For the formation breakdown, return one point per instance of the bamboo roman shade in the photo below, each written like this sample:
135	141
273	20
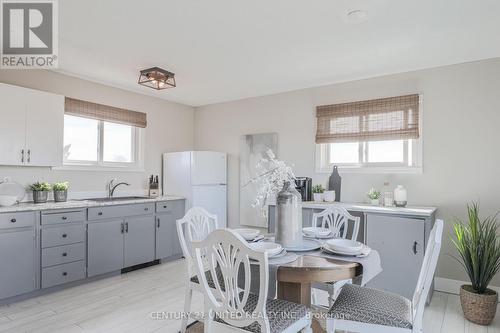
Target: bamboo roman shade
393	118
76	107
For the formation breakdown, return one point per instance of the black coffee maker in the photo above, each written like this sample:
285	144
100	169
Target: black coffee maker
304	186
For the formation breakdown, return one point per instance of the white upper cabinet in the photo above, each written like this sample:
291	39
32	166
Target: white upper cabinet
31	127
12	125
44	128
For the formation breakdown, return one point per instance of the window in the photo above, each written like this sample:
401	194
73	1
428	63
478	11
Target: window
370	136
102	137
90	142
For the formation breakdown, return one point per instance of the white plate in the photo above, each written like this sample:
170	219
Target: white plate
344	245
307	245
269	247
11	188
247	234
316	232
365	251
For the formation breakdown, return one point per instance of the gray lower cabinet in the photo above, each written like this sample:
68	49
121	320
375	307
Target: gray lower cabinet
105	247
167	239
400	242
17	259
139	241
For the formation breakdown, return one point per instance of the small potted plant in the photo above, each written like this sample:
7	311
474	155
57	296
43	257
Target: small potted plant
60	191
318	192
374	196
479	254
40	191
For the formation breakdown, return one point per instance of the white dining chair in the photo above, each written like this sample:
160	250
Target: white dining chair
234	308
196	225
338	220
360	309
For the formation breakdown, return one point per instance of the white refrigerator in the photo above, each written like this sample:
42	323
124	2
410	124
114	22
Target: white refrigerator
200	177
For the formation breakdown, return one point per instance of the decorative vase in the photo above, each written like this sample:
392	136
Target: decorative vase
329	196
60	196
318	197
478	308
335	183
40	196
375	202
288	229
400	196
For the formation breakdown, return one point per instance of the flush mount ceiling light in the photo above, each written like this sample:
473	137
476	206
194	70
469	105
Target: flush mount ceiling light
157	78
357	15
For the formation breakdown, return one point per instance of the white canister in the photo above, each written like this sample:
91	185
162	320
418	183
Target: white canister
318	197
400	196
329	196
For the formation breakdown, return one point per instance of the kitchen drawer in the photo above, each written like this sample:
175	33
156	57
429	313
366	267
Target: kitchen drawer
168	206
63	235
63	254
63	217
56	275
109	212
17	220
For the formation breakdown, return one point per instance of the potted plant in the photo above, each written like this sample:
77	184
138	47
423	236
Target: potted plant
479	249
318	192
60	191
374	196
40	191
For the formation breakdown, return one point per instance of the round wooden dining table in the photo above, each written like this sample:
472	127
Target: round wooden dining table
295	278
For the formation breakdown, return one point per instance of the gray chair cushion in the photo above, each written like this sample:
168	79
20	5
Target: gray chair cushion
210	280
372	306
281	314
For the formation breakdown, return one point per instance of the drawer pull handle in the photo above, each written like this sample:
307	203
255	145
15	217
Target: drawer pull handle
64	235
13	220
146	208
65	273
164	206
64	254
100	213
64	218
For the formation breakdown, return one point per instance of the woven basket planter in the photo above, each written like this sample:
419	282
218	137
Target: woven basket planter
478	308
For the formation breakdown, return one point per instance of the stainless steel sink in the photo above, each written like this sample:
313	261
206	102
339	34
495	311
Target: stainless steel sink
117	199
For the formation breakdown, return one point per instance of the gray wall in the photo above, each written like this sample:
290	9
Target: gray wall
461	111
170	128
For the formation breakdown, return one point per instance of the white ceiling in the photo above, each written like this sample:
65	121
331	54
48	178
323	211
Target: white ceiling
223	50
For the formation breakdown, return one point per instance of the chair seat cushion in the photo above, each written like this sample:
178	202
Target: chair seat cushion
372	306
281	314
210	280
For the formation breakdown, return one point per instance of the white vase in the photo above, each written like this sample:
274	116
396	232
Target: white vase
318	197
400	196
375	202
288	228
329	196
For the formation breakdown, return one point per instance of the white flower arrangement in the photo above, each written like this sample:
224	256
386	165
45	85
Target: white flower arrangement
273	174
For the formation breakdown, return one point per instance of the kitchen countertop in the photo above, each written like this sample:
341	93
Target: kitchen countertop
72	204
408	210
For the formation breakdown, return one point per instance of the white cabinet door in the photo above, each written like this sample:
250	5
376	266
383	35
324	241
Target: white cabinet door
44	128
208	168
400	243
12	124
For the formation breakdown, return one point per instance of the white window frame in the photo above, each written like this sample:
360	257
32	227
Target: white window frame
138	147
322	164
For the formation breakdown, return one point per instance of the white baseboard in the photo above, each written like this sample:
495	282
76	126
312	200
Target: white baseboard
451	286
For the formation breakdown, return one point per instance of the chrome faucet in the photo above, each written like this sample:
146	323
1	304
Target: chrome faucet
112	187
